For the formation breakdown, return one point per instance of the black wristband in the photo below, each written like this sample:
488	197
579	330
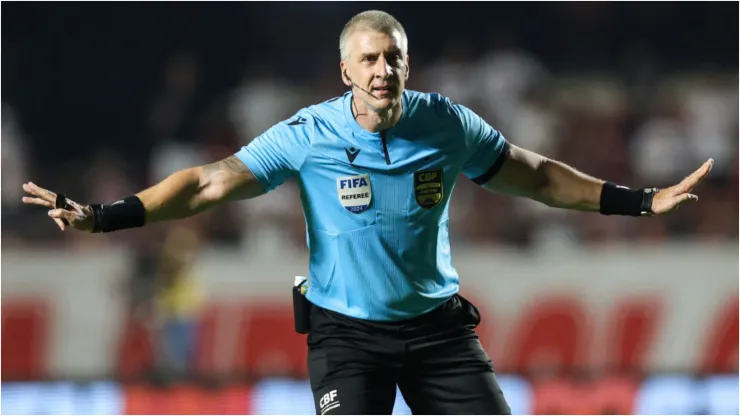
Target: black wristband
127	213
61	203
619	200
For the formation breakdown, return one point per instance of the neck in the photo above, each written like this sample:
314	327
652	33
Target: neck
374	120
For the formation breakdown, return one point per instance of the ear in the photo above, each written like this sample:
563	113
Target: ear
407	67
343	71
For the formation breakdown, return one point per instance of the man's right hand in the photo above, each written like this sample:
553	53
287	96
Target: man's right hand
78	217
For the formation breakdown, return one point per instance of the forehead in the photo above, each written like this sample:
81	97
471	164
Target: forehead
365	41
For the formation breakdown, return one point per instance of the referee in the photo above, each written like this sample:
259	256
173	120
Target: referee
376	168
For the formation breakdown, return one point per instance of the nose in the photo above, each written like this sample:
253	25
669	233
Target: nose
384	69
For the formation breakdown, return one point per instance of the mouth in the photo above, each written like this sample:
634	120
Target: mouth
384	91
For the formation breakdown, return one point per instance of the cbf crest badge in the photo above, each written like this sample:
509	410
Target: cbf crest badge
428	187
355	192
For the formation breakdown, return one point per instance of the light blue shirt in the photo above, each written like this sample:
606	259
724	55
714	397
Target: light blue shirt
377	204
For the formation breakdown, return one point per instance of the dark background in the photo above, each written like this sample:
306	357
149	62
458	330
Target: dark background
92	90
63	60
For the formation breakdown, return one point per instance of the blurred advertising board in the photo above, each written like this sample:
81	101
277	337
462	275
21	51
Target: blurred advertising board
652	309
659	394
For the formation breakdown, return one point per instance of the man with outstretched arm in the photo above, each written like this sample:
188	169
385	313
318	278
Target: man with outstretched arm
376	168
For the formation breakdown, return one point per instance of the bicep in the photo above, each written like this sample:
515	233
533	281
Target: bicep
519	175
278	153
229	179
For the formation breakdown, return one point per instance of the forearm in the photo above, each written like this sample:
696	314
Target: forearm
180	195
530	175
184	193
562	186
191	191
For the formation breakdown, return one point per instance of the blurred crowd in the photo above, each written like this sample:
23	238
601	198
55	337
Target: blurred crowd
636	123
629	130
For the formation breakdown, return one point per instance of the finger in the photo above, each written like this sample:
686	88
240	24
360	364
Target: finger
37	201
691	181
62	214
36	190
28	188
58	216
670	203
60	223
686	198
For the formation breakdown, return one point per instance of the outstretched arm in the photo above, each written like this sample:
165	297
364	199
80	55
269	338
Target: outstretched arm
182	194
502	167
255	169
191	191
525	173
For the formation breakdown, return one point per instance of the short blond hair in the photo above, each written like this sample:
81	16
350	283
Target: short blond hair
375	20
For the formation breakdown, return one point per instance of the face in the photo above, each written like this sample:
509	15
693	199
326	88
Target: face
378	65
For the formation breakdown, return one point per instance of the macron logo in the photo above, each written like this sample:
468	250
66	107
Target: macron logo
299	120
352	154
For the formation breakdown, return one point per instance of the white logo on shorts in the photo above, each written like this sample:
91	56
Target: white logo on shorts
329	401
355	192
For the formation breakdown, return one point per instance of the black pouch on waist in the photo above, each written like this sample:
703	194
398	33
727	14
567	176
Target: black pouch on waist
301	306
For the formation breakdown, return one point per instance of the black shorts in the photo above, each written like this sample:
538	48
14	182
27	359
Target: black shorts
435	360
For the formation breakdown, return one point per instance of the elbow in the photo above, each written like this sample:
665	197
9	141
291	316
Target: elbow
552	187
209	188
559	186
543	187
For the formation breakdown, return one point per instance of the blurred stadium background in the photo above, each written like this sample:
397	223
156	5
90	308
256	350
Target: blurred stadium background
582	313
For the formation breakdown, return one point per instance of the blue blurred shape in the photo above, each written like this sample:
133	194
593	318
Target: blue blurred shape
57	398
61	398
664	395
20	398
400	407
518	393
100	398
721	395
276	396
667	395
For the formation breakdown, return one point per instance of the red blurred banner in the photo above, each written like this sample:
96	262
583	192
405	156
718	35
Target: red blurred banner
553	315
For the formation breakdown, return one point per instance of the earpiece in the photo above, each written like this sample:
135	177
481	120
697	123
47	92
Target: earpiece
352	84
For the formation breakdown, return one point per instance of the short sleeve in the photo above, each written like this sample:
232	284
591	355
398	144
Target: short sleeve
486	147
280	151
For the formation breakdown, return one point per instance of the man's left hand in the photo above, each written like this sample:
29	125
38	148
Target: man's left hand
670	198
